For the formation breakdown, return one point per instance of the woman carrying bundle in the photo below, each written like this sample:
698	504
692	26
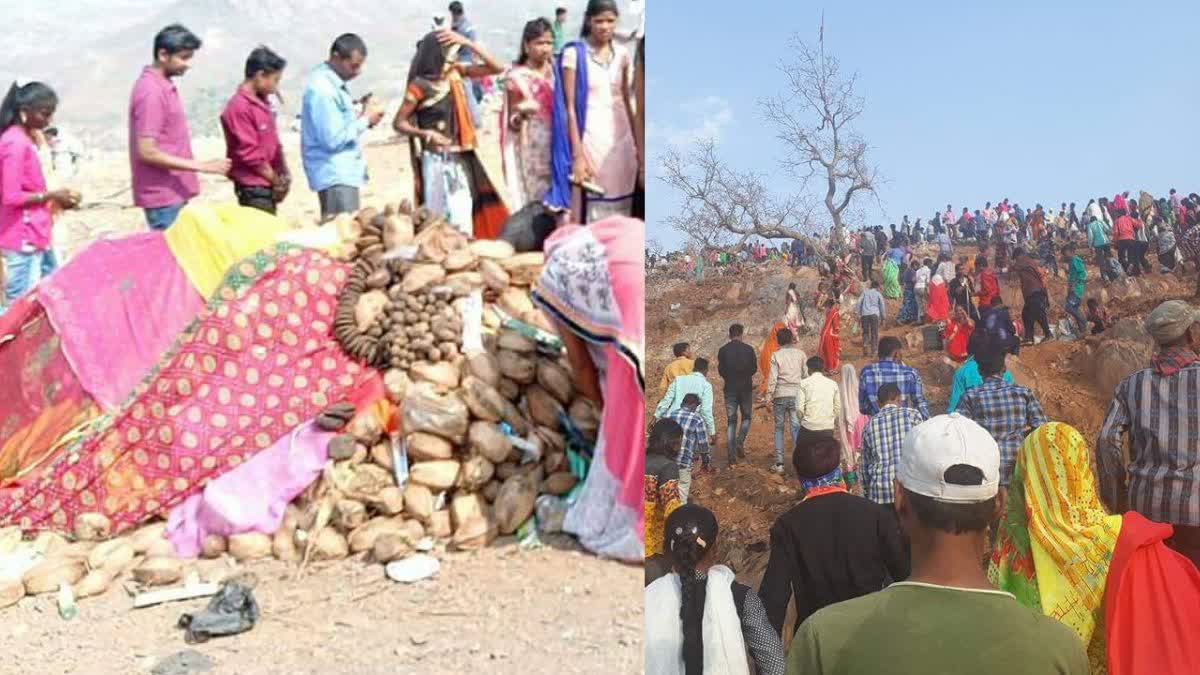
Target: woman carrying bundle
699	620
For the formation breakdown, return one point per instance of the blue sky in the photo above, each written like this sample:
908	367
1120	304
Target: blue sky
964	102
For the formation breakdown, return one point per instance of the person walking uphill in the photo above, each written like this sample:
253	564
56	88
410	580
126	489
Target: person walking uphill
737	365
890	368
788	368
1152	416
871	311
695	382
258	169
947	617
1033	289
26	207
330	129
160	144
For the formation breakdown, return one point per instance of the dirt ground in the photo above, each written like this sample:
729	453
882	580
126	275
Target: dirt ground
1072	379
499	610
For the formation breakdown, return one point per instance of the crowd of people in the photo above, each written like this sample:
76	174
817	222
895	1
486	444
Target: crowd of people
983	530
572	135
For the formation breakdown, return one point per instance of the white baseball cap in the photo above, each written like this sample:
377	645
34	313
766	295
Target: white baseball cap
941	442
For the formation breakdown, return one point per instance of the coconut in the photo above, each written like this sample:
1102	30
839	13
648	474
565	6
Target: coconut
551	439
330	545
464	506
363	537
48	543
414	530
390	500
112	555
510	390
92	526
160	549
365	428
436	475
487	439
215	571
484	367
48	575
423	447
524	268
559	483
514	502
543	407
381	454
475	473
473	534
483	400
142	539
516	342
439	524
283	545
396	382
555	461
161	571
94	583
494	276
556	380
418	501
349	514
213	546
77	550
360	454
459	259
493	249
420	277
490	490
515	302
519	368
10	539
369	307
441	374
249	546
426	410
367	481
11	590
585	416
392	546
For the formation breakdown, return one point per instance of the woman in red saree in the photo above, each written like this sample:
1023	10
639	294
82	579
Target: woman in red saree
831	344
958	333
939	300
989	286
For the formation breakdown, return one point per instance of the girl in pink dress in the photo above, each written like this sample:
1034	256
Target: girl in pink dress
525	118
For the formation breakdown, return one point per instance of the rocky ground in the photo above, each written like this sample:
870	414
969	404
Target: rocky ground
1073	379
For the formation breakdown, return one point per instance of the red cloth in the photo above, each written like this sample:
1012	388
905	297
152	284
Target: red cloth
831	342
251	139
939	303
1123	228
957	335
1151	603
989	288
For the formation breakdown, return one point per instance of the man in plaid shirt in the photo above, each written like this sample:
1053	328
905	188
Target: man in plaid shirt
890	368
695	441
881	442
1008	411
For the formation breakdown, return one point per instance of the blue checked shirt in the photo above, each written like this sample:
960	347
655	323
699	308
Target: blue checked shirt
1008	411
882	439
875	375
695	435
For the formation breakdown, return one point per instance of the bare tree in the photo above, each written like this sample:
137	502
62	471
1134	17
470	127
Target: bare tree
654	246
814	123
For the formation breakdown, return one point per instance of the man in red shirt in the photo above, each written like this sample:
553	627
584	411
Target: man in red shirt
259	172
1123	238
1033	289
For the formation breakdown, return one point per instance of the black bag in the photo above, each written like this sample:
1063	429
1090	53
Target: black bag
528	228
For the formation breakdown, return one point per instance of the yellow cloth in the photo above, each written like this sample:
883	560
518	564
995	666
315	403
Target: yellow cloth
680	366
209	239
1071	537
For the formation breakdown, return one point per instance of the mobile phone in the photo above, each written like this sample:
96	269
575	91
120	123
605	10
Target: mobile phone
366	97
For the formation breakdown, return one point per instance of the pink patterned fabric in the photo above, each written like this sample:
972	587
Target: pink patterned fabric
118	306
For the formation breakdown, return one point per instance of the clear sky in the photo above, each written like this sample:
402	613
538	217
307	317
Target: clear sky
1035	101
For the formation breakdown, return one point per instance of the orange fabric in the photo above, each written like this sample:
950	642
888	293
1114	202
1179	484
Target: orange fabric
939	303
769	347
831	343
957	335
462	114
1151	603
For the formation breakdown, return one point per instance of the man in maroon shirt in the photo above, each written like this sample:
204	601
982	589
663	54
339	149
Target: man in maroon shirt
259	172
1033	289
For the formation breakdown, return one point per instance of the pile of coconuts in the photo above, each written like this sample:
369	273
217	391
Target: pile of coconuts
402	311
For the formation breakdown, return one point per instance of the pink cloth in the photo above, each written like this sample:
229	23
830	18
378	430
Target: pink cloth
20	176
118	306
156	111
254	496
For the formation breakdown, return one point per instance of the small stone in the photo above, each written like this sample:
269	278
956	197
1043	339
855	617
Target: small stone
341	447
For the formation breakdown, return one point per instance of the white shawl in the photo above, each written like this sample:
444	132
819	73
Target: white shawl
724	648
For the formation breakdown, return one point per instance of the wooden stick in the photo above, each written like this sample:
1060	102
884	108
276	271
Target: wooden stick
187	592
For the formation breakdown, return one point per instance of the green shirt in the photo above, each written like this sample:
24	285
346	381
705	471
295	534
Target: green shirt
557	29
1077	276
912	628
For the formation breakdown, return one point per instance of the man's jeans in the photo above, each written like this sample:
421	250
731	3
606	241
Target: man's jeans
735	403
162	217
22	271
870	331
1073	309
784	410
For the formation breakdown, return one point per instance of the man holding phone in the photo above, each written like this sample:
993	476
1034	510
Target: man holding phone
331	125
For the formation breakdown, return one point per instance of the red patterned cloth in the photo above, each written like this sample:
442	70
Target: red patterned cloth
258	362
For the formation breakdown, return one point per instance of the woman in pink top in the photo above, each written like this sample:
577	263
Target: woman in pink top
25	204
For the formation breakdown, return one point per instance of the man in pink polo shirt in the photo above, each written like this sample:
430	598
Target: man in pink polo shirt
160	146
259	172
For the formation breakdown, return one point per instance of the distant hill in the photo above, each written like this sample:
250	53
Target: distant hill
91	51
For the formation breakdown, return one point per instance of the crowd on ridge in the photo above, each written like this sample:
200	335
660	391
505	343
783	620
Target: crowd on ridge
556	168
900	505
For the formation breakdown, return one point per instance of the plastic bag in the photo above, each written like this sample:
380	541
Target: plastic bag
528	228
232	610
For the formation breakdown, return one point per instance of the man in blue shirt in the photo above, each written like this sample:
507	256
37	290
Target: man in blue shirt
330	128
